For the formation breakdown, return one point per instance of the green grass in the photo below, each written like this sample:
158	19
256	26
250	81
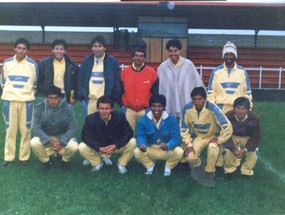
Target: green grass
29	190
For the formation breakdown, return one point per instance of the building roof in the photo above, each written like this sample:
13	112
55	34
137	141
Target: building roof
203	15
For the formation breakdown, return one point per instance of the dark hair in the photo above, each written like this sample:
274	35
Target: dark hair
53	90
100	39
139	49
59	42
174	43
105	100
22	41
199	91
157	99
242	101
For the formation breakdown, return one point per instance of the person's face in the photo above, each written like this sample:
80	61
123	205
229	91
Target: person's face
58	51
138	59
98	49
199	102
105	110
53	100
174	54
240	112
157	110
229	59
21	51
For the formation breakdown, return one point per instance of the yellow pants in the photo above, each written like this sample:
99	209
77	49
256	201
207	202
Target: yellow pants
92	106
199	145
44	152
17	114
154	152
94	157
231	162
133	117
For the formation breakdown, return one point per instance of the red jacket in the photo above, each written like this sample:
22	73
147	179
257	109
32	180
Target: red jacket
138	87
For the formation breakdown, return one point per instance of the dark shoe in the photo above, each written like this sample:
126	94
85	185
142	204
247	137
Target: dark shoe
219	172
47	165
58	157
64	164
5	163
231	176
247	177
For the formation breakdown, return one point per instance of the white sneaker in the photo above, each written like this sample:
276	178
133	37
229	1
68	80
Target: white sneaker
167	171
122	169
149	170
107	161
97	167
86	162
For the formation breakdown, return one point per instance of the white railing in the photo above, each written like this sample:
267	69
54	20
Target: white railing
261	70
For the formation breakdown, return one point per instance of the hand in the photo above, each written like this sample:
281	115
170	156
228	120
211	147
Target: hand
239	153
188	151
55	145
111	149
163	146
108	150
214	140
72	101
142	148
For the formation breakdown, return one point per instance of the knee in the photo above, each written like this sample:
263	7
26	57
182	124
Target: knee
178	151
132	143
82	147
213	150
35	142
73	145
137	152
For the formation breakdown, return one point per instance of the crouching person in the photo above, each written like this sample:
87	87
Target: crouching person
203	126
106	132
244	141
54	129
158	137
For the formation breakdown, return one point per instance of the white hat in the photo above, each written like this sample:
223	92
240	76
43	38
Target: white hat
230	47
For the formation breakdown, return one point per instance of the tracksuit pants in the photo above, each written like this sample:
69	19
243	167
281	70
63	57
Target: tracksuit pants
154	152
17	115
43	152
95	158
231	162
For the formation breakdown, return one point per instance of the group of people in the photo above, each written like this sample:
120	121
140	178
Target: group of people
164	115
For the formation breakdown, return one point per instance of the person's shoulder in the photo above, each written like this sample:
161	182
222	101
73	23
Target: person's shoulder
149	68
39	106
46	59
230	114
213	108
30	60
87	58
8	60
252	115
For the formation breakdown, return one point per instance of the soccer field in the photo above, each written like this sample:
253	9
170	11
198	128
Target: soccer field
29	190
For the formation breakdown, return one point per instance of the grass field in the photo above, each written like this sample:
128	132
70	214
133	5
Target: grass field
30	190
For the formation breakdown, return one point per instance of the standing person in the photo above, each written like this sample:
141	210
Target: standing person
203	125
99	75
106	132
19	82
139	83
177	78
54	129
59	70
228	81
244	141
158	137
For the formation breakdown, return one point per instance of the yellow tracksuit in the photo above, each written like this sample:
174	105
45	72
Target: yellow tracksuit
198	128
